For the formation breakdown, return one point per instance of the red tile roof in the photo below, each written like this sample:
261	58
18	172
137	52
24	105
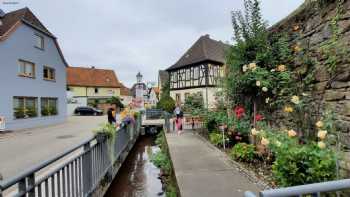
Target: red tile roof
92	77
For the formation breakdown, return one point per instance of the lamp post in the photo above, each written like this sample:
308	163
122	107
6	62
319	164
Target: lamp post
222	129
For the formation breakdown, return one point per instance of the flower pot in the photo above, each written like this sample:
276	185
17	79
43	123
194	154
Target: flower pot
101	137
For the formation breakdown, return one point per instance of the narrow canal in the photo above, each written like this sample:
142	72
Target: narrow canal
138	177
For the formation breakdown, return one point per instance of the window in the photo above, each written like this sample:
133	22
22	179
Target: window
49	73
48	106
26	69
96	90
25	107
39	42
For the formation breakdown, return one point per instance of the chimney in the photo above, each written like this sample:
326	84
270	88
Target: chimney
93	67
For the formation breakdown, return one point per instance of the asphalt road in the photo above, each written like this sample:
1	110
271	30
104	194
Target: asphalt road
21	150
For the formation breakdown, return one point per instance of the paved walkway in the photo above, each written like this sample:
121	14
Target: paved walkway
20	150
204	171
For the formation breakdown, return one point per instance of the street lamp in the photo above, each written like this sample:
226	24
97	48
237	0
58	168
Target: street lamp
139	77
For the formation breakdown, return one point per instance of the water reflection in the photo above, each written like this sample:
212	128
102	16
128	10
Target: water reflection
138	177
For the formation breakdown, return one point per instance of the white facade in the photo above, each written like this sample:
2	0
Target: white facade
209	93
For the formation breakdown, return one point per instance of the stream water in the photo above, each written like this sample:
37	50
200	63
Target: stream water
138	177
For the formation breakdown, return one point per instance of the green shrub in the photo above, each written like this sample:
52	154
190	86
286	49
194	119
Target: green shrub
243	152
167	104
304	164
161	160
216	139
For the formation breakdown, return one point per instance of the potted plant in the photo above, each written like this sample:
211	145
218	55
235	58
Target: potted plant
105	131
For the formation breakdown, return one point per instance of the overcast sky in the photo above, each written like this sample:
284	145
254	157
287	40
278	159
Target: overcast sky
138	35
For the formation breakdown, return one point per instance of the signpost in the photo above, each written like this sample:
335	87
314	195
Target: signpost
2	123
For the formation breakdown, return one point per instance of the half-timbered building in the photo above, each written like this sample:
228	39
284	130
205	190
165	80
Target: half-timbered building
198	71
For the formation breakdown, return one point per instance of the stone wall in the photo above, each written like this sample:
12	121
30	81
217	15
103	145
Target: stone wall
309	27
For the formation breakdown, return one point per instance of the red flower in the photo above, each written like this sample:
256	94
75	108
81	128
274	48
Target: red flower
239	111
259	117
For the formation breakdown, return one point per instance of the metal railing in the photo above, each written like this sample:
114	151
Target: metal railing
315	189
154	114
76	172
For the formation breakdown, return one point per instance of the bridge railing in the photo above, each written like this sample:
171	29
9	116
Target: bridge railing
315	189
77	172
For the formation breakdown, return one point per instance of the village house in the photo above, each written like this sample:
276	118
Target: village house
125	95
198	71
33	72
92	86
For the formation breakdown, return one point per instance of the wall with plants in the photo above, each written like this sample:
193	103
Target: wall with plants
286	93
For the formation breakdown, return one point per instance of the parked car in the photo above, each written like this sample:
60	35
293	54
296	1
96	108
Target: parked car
86	111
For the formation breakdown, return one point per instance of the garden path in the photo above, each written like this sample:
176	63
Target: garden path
203	170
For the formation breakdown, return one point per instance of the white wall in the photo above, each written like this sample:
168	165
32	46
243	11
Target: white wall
211	94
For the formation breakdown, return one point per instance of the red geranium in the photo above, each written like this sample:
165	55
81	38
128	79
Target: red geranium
259	117
239	111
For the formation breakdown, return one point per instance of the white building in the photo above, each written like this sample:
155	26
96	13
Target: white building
198	71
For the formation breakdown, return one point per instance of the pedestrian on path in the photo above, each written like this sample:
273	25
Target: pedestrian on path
110	115
178	121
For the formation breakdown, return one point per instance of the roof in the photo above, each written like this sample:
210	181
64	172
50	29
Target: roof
22	15
92	77
12	20
204	49
124	91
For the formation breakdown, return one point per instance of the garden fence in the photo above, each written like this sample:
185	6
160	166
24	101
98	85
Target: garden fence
76	172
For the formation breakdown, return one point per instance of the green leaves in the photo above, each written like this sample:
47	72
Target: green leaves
243	152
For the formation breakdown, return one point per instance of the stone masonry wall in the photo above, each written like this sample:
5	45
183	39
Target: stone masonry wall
309	27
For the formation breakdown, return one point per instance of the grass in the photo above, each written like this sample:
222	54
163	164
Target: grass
162	160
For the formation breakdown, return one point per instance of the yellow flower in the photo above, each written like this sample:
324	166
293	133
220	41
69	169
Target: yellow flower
322	134
252	66
281	68
295	100
321	145
296	27
296	48
245	68
319	124
258	83
288	109
278	143
292	133
254	132
265	141
264	89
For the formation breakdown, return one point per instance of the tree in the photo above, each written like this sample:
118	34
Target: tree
166	102
115	101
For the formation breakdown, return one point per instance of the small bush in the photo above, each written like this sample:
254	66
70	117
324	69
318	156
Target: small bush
243	152
304	164
161	160
216	139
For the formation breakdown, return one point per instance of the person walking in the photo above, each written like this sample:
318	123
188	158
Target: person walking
110	116
178	121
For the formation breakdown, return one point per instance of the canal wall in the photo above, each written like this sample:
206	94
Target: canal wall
319	34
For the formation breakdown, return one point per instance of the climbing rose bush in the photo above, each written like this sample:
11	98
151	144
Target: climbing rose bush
296	163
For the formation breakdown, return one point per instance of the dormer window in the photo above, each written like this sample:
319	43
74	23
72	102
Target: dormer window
39	42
